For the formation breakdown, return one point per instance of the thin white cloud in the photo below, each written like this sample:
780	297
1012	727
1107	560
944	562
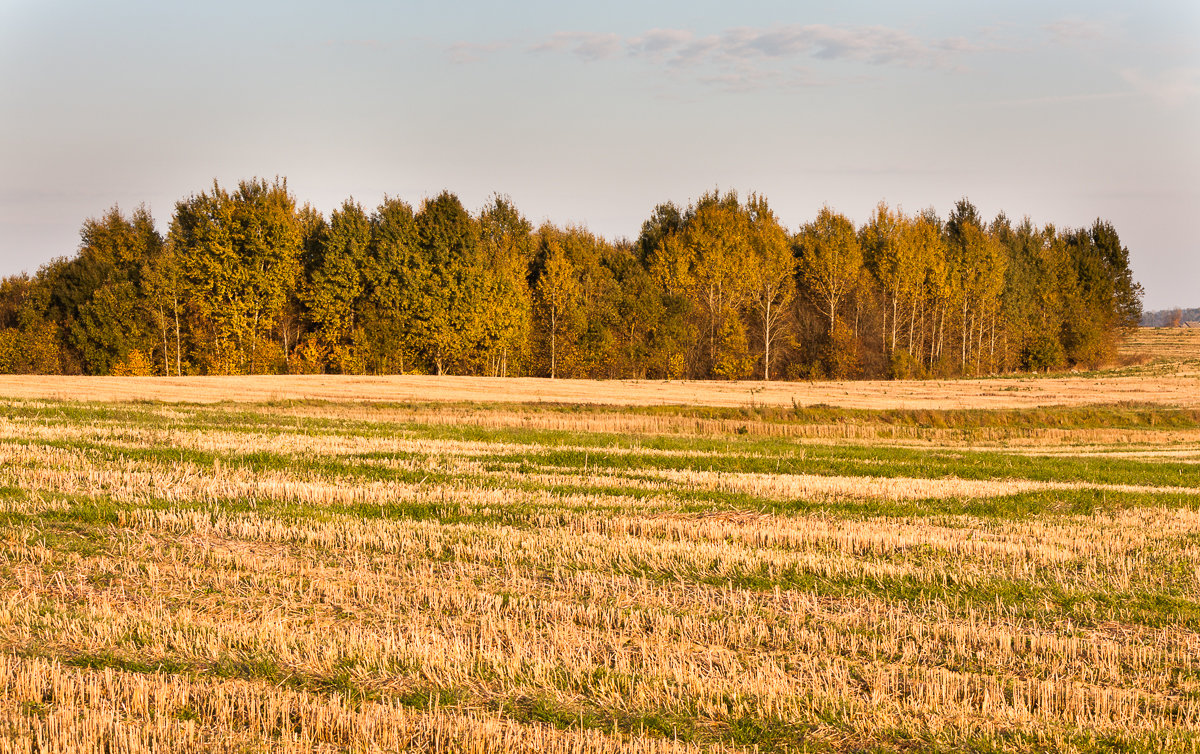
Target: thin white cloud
877	45
366	44
748	78
1077	30
471	52
874	44
956	45
1173	86
746	58
1054	99
585	44
658	42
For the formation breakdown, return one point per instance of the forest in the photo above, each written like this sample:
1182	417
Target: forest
249	281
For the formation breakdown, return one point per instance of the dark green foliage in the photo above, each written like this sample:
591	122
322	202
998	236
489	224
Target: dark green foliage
446	326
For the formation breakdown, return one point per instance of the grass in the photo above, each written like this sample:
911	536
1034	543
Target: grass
342	576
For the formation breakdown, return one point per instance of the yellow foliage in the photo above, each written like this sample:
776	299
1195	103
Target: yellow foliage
308	358
135	364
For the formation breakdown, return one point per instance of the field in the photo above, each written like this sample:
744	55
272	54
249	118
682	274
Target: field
325	564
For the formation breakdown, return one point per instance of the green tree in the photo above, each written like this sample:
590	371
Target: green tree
29	342
1125	298
337	281
240	256
395	270
640	312
447	319
97	297
109	326
1104	300
666	221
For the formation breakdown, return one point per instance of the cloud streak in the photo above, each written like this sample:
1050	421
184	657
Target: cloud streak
472	52
1172	87
873	45
587	45
1077	30
751	58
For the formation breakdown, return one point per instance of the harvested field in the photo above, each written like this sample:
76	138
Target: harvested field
1182	389
358	576
1163	344
1170	378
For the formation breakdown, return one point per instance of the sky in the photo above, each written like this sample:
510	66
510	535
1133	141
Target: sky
595	113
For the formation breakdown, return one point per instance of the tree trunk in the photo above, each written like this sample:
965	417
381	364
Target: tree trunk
895	309
767	343
942	330
978	346
966	335
912	326
162	320
553	344
178	345
254	343
993	343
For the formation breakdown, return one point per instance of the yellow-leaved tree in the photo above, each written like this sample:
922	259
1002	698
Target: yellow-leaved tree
771	277
830	261
558	297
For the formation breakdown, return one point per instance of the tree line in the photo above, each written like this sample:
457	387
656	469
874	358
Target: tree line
249	281
1169	317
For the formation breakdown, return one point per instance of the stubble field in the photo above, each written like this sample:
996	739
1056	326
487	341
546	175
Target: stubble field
355	573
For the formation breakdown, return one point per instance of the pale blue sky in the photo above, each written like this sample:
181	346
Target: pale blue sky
595	113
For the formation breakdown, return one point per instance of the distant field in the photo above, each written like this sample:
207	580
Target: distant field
242	568
1170	376
1170	389
1164	343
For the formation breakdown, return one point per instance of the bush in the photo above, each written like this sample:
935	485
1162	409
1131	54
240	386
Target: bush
734	361
135	364
308	358
1043	353
904	366
841	353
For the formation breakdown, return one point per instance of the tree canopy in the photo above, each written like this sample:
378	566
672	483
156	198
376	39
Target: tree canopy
251	281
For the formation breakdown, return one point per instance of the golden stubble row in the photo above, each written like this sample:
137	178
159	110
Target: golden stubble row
275	597
567	652
1101	551
1112	555
1169	387
113	712
597	600
76	471
645	671
350	440
864	432
825	487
